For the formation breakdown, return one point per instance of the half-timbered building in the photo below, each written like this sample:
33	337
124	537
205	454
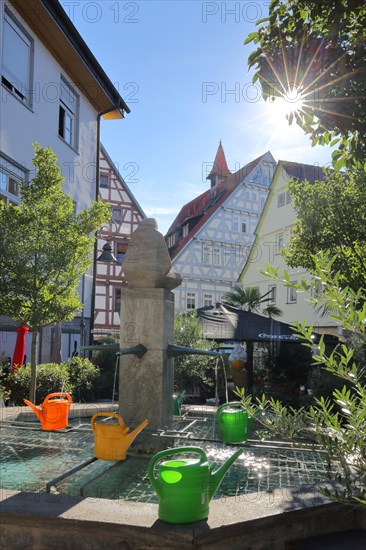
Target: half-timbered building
126	215
211	237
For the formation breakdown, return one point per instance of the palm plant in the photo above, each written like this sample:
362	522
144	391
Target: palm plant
251	299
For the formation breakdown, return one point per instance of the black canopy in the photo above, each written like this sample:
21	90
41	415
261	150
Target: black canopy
224	322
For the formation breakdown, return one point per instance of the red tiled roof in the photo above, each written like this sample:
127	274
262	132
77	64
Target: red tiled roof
205	205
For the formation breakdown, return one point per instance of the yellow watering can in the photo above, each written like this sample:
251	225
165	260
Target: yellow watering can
112	440
53	413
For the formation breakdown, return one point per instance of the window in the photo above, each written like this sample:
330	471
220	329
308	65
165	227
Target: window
216	255
121	251
191	300
207	300
236	224
117	300
281	199
17	59
185	230
68	114
206	256
243	227
171	240
11	175
104	180
117	215
292	294
279	243
272	294
317	288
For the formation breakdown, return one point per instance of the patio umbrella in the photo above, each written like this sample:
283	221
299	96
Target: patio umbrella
224	322
19	350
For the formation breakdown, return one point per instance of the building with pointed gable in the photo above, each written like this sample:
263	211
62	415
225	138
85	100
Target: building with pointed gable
272	233
126	215
210	238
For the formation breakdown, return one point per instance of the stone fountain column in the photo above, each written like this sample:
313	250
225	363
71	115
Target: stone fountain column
146	384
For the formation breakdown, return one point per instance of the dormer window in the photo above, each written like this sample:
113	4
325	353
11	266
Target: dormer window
171	240
185	230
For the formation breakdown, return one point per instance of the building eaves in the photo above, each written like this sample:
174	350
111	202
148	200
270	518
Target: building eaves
68	28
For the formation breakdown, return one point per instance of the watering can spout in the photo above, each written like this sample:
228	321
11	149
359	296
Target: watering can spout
35	409
131	436
217	476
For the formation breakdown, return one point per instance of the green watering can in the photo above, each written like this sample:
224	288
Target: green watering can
233	422
177	403
184	485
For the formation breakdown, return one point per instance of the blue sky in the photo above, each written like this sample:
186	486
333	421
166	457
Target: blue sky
181	67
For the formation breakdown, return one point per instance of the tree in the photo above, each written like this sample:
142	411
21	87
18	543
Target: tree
331	216
191	368
313	54
251	300
338	424
45	245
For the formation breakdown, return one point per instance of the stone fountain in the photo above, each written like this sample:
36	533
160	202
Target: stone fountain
146	378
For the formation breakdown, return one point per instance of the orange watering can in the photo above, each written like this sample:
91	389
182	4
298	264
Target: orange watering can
53	413
111	440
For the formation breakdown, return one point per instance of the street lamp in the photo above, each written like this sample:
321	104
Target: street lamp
107	254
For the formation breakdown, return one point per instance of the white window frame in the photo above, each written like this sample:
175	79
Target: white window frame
279	242
22	90
292	294
273	294
191	300
68	112
185	230
235	224
117	214
207	300
216	255
207	254
281	199
244	227
104	175
10	173
117	299
171	240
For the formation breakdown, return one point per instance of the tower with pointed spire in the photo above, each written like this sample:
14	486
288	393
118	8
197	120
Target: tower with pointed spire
220	171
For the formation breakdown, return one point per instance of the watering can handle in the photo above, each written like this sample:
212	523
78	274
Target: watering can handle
170	452
109	414
230	404
59	394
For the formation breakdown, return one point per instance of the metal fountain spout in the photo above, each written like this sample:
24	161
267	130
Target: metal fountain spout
175	351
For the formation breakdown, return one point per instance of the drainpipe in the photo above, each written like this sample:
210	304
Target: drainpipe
97	166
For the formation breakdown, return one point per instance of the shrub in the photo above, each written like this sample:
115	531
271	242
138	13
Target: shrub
82	375
51	378
106	361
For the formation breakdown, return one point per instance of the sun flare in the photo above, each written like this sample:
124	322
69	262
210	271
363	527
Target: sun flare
291	102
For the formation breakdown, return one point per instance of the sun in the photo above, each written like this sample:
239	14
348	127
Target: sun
282	108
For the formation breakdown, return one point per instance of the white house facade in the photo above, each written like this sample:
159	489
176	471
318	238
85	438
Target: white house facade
212	235
273	232
54	92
